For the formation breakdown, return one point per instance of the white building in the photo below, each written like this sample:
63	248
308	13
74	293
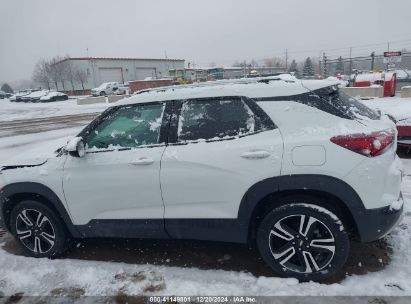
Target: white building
99	69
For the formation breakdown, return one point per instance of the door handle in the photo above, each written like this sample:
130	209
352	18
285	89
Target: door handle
143	161
255	154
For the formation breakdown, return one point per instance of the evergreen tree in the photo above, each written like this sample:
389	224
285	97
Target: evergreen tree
293	68
308	69
339	69
6	88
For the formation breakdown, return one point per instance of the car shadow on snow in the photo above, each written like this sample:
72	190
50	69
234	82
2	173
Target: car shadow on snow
404	152
364	257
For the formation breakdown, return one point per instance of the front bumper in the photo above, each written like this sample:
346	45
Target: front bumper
373	224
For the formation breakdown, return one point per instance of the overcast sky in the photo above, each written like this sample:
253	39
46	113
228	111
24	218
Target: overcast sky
202	32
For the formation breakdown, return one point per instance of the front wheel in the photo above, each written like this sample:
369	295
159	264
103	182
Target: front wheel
303	241
38	230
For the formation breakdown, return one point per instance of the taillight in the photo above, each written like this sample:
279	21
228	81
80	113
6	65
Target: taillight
370	145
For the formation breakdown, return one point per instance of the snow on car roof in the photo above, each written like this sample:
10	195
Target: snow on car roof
53	94
38	93
250	87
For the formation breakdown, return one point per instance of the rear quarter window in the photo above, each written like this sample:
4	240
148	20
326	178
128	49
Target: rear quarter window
346	105
332	101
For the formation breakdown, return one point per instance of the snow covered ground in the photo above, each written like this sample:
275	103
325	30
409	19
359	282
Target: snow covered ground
20	110
399	108
81	276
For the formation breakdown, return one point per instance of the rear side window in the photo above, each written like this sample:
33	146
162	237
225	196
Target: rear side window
213	119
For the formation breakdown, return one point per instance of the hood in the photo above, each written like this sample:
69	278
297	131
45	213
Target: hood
35	156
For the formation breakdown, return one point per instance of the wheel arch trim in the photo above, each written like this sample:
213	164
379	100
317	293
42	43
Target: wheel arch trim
36	189
303	182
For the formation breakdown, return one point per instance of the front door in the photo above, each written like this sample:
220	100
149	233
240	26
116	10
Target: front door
118	178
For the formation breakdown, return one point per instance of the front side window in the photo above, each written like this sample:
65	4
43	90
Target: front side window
213	119
128	127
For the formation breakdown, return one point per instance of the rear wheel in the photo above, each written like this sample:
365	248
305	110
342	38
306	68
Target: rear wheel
38	230
102	93
304	241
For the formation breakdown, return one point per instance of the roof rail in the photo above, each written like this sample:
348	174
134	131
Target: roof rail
267	79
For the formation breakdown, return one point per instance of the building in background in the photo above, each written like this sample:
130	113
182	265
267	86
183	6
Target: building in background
216	73
99	70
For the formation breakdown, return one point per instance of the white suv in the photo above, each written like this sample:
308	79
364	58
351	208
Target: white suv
294	167
106	88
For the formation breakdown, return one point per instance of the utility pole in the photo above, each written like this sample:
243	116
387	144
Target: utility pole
350	70
372	60
319	63
325	72
286	60
388	49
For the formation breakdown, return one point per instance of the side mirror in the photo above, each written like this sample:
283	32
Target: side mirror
76	147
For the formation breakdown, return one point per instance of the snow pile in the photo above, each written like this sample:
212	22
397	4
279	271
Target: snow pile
399	108
397	205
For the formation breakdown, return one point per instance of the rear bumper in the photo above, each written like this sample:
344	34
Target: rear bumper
404	141
373	224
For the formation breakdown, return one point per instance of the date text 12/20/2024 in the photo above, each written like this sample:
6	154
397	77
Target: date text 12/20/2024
200	299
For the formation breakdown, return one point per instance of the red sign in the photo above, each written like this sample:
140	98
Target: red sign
392	54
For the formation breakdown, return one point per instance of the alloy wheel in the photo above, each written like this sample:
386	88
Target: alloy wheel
302	243
35	231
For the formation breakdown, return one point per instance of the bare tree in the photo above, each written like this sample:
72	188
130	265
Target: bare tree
41	73
59	70
254	63
273	62
80	76
70	73
237	64
54	72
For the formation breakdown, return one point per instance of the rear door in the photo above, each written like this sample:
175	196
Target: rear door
220	147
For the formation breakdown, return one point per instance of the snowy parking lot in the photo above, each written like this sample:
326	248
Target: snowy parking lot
135	267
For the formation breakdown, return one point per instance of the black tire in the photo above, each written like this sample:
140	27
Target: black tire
290	237
45	237
103	93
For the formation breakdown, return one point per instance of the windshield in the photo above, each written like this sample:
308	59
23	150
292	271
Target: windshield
102	86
